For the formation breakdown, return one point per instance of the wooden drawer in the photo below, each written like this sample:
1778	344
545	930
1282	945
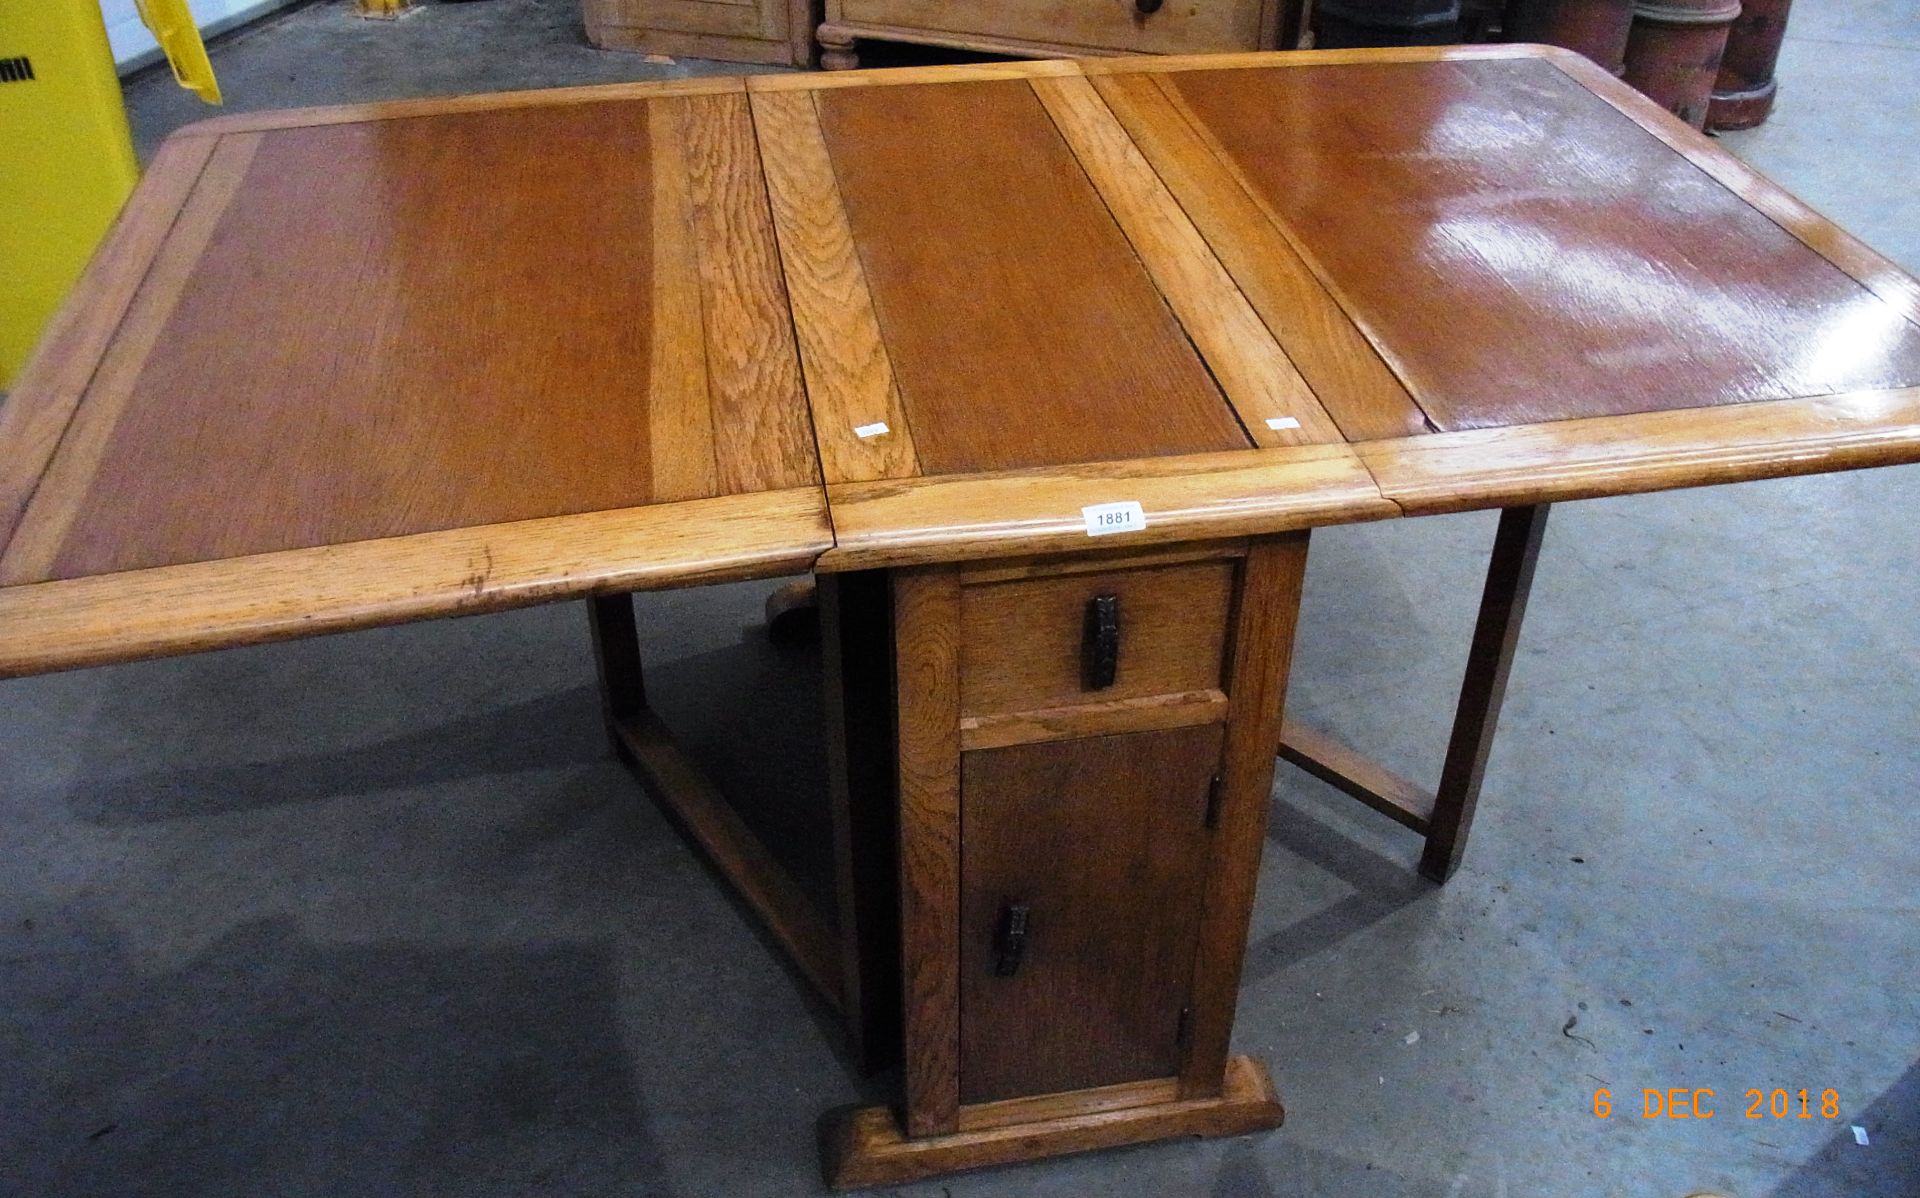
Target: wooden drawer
1023	641
1100	846
1180	26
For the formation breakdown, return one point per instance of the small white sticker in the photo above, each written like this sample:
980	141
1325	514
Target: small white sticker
1276	423
863	431
1860	1135
1105	519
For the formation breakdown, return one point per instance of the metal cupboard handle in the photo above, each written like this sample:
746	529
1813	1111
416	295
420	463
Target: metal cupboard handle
1010	942
1100	643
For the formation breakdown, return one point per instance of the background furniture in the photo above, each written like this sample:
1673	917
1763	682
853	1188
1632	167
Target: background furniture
1209	287
1043	27
766	31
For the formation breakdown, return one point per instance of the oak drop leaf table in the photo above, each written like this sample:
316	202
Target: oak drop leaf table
1043	370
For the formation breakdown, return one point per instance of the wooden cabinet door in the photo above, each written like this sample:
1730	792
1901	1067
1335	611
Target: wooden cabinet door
1103	842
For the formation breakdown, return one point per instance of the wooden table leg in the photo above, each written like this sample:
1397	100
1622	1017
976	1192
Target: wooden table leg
1445	816
1503	605
687	798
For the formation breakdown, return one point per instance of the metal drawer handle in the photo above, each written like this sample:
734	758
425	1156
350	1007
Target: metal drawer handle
1100	643
1010	941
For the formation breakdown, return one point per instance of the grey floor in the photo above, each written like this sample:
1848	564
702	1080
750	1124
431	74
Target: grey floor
378	914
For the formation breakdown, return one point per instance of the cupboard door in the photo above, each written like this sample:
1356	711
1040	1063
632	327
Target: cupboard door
1082	868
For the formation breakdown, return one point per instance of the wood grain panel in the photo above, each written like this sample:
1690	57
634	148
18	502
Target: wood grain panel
76	466
1521	252
962	518
1022	327
763	438
1269	605
850	380
1104	841
1151	713
1044	1107
679	420
926	607
1020	642
1275	405
1346	373
1873	269
304	592
428	347
48	388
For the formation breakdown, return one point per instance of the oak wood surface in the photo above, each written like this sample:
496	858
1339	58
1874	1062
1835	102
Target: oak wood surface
1873	269
1349	379
1058	565
859	424
926	607
1104	840
86	452
1481	212
865	1147
1180	709
1041	1108
1496	633
1259	379
423	352
51	382
1021	641
856	644
1262	649
1022	328
1338	765
332	588
68	486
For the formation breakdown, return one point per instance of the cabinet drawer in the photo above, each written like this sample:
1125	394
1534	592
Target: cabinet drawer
1024	643
1177	26
1082	870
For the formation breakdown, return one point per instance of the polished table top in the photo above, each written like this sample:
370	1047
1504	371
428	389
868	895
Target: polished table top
348	366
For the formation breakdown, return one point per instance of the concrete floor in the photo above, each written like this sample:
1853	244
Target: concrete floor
378	914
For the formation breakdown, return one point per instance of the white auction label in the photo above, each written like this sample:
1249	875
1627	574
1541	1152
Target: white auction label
1105	519
1276	423
863	431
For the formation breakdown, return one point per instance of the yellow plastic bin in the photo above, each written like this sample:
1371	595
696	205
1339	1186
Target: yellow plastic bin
68	154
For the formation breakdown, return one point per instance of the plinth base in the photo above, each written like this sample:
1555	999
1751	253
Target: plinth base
865	1147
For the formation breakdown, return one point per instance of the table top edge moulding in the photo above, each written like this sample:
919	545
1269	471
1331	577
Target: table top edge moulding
1600	456
965	517
168	610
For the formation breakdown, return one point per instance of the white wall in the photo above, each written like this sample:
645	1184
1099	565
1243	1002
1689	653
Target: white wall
132	42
